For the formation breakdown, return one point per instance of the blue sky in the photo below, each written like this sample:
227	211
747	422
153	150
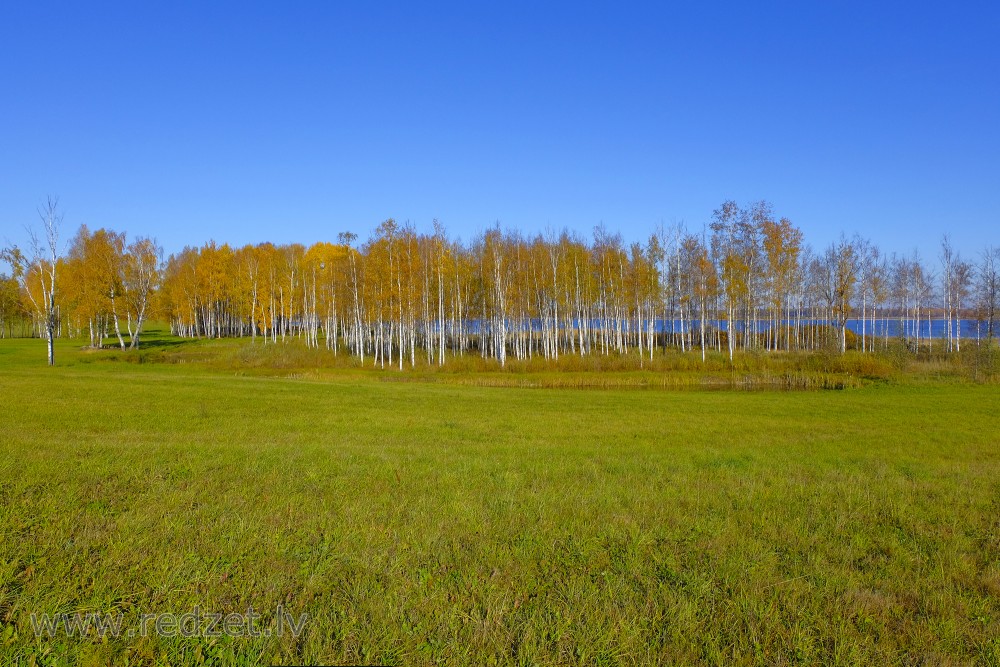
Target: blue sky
289	122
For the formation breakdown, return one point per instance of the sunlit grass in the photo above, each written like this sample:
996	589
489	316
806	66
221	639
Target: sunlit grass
419	522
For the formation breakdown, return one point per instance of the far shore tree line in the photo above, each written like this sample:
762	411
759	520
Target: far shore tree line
747	282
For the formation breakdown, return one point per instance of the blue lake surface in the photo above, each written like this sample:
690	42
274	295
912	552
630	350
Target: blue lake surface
892	328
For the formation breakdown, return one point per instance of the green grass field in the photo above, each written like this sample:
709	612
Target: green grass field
429	522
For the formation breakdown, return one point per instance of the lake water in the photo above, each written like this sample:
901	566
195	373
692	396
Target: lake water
892	328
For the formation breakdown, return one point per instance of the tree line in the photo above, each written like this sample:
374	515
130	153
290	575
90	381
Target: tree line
104	285
747	281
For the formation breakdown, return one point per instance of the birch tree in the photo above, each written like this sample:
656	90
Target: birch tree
988	292
840	266
782	246
726	255
39	270
141	278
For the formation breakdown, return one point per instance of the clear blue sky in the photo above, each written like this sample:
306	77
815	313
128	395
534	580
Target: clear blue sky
246	122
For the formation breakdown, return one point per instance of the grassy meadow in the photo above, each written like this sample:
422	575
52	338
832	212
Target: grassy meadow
423	517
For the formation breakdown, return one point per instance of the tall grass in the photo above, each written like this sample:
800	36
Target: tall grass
668	368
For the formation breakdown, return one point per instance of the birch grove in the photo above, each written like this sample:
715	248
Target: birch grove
746	282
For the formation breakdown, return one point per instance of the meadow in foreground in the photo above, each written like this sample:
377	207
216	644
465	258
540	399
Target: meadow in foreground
426	522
